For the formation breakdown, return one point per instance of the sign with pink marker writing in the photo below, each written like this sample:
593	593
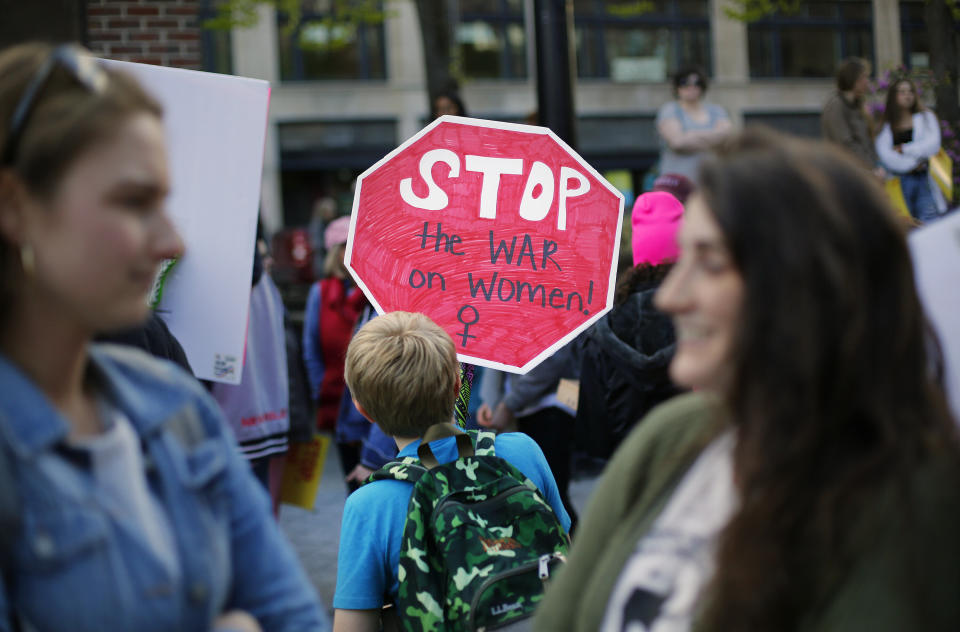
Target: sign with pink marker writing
499	232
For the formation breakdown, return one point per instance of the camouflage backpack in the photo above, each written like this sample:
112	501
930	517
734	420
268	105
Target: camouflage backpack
480	541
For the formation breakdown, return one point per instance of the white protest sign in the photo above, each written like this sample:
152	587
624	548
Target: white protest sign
216	129
936	259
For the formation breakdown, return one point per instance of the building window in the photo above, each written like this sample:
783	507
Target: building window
628	40
328	45
490	39
322	158
916	44
812	41
796	123
215	43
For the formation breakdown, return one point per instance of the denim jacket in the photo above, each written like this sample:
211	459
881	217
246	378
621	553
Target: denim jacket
76	567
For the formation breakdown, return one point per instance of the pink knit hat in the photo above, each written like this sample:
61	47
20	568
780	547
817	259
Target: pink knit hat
336	232
656	218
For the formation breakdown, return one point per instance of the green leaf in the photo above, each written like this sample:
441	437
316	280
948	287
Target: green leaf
753	10
631	9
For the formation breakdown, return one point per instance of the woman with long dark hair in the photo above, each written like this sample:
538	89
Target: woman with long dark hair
810	482
909	138
126	503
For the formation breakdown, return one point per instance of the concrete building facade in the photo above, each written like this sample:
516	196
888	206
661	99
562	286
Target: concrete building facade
340	105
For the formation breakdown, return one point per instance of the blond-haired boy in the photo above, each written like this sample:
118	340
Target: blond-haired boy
403	373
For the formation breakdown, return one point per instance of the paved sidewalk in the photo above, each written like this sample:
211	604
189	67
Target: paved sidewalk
315	535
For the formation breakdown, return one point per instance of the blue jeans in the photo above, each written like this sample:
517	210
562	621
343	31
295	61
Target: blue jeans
918	196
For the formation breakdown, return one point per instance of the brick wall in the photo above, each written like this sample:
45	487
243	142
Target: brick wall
162	32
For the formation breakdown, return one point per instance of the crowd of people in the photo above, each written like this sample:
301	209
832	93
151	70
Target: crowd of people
767	390
898	148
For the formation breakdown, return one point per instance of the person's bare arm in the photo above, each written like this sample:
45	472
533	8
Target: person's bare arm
356	620
236	621
721	130
678	140
501	419
484	415
715	136
359	474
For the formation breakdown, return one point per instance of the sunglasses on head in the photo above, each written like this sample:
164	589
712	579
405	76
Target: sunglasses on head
81	67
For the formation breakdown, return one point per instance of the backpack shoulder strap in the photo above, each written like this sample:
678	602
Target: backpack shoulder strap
441	431
406	469
485	441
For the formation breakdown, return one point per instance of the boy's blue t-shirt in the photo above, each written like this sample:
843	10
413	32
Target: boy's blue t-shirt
374	516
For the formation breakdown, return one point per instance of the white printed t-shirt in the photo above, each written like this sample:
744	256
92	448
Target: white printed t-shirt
659	586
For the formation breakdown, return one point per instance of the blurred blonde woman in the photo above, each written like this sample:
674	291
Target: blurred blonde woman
131	507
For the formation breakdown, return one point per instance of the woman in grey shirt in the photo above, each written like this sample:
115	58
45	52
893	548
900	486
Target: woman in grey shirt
688	126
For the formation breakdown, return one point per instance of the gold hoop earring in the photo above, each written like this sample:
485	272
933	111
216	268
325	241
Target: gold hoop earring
27	260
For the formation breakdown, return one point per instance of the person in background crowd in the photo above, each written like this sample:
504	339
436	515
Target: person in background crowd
909	138
811	482
626	353
402	369
371	445
689	126
133	508
333	306
675	184
844	120
154	337
258	408
303	418
530	403
324	212
448	103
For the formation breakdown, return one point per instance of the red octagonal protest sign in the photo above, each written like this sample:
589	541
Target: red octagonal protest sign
499	232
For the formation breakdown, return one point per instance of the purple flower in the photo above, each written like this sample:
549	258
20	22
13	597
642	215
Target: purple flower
883	84
947	131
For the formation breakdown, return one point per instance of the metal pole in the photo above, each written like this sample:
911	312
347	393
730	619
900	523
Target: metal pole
553	34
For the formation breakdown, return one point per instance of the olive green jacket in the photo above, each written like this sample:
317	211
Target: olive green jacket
906	577
846	124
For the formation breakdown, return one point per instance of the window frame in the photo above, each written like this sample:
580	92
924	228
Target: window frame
364	56
907	29
600	21
209	41
775	23
499	20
